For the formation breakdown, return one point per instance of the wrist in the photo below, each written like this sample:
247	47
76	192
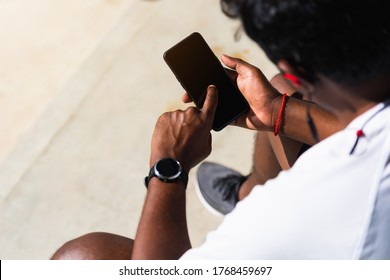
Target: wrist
184	165
167	170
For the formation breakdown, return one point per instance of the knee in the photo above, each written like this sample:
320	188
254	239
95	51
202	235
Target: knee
81	248
95	246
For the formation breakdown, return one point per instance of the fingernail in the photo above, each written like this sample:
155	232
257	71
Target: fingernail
213	91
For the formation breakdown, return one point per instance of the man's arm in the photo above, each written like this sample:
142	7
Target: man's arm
162	232
184	136
265	102
294	125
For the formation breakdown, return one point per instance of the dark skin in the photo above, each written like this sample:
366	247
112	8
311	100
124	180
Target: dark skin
164	206
162	231
96	246
169	198
251	79
263	100
274	154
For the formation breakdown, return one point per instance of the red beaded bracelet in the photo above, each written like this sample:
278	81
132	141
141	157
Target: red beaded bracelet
280	115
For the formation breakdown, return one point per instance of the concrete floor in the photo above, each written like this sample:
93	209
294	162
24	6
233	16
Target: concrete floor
81	85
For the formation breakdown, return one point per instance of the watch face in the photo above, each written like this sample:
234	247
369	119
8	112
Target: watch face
168	169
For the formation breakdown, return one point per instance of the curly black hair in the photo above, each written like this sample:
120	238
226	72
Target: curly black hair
346	40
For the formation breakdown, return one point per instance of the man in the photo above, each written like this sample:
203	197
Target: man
220	187
334	203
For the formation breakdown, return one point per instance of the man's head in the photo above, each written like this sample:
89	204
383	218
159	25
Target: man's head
348	41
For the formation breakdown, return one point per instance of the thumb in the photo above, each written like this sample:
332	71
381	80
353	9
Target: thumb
229	61
240	66
232	62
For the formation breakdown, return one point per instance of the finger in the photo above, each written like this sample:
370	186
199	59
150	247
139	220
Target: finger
234	63
239	65
282	85
232	74
186	98
244	121
229	61
240	122
210	104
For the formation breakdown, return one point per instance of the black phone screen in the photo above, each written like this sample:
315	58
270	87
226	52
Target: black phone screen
196	67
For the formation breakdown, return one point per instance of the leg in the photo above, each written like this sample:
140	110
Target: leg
220	188
96	246
271	155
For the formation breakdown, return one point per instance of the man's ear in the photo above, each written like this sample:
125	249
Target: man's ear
297	76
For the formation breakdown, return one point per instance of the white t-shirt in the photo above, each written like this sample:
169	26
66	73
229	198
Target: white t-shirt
330	205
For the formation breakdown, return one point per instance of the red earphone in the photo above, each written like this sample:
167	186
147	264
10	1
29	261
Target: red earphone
294	79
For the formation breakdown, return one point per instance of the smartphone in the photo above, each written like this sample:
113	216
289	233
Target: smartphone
196	67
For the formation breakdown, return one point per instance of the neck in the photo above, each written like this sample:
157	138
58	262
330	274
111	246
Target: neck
348	102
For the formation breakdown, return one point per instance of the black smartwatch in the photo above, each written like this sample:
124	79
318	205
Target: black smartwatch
167	170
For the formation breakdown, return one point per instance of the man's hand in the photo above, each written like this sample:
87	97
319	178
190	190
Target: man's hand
262	97
257	90
185	135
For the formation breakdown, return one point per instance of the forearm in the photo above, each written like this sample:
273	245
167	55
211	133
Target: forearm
162	232
294	121
181	140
